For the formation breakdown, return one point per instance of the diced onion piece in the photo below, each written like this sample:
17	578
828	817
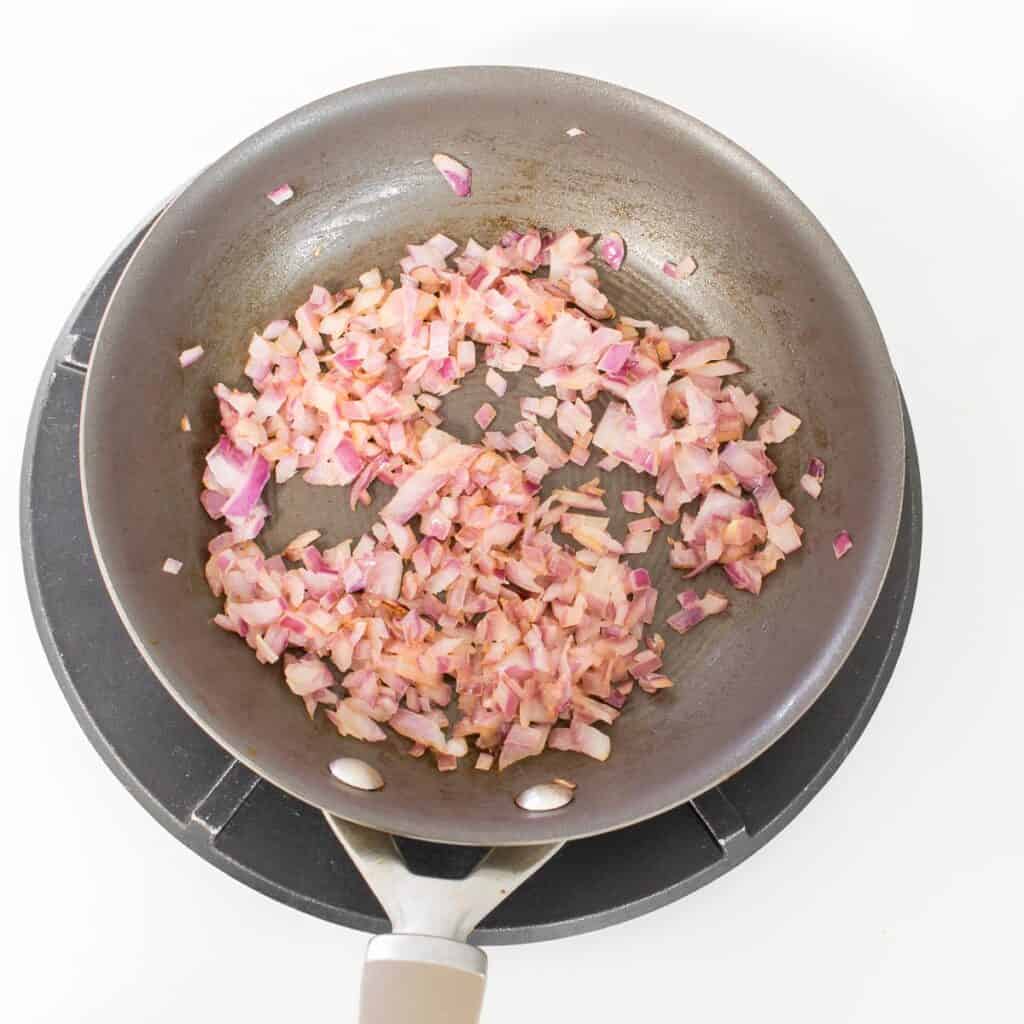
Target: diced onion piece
779	426
172	566
683	269
582	738
694	610
298	544
281	194
612	249
842	544
811	485
458	176
484	416
496	383
633	501
191	355
638	543
275	329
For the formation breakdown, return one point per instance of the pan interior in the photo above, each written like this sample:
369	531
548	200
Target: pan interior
222	261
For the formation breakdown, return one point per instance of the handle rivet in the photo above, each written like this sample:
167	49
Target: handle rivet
357	774
545	796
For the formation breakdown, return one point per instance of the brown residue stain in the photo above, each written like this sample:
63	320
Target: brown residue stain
764	283
530	170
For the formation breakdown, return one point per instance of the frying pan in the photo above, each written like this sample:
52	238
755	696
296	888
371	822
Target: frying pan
221	261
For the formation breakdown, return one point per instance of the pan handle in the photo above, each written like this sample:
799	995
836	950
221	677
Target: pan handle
422	979
426	972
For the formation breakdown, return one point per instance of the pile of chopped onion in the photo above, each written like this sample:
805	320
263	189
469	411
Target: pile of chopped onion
461	603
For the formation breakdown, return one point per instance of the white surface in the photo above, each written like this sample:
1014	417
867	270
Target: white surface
896	895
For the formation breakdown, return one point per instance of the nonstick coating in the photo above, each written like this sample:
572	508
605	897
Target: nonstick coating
222	261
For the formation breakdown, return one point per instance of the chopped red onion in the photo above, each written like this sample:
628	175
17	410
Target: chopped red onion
172	566
633	501
462	595
612	249
694	610
813	479
484	416
685	268
637	543
811	485
582	738
191	355
842	544
458	176
648	524
275	329
298	544
496	383
280	195
779	426
639	579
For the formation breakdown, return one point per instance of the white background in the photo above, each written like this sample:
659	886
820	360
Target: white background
897	895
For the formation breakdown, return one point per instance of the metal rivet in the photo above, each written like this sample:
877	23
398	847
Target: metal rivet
357	774
545	796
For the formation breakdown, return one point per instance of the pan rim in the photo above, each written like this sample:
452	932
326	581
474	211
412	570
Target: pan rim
754	742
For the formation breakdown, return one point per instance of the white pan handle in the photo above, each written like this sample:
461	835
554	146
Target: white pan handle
427	962
420	979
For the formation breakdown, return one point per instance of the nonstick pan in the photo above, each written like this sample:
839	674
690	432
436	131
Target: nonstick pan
221	261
